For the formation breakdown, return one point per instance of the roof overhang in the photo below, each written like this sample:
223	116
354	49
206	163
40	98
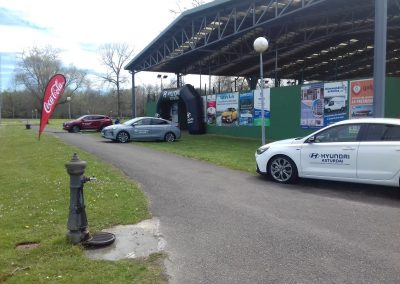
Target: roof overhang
308	40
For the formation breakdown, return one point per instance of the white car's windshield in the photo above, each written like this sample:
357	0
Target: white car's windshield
131	121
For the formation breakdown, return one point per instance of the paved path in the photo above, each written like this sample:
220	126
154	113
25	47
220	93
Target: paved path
225	226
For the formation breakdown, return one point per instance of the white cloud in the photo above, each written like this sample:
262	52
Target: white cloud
79	27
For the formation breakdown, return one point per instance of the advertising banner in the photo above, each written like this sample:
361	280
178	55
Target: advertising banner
246	108
204	99
312	106
361	98
227	109
335	102
54	89
257	107
211	110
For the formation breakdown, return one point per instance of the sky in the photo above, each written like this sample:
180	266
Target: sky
79	27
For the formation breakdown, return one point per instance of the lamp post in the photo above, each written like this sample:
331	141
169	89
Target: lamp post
162	77
69	107
260	45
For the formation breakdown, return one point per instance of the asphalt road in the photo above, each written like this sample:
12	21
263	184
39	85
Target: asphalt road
225	226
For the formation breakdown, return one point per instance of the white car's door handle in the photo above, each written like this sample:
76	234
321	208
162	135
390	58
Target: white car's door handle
348	148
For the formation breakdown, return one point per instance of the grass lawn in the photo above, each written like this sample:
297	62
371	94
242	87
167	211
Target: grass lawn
34	206
35	199
231	152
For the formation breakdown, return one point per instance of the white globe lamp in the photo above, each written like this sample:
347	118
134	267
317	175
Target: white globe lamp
260	45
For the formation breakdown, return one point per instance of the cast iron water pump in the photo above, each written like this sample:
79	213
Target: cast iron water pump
77	220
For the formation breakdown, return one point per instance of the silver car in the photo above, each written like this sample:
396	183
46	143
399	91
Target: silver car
142	128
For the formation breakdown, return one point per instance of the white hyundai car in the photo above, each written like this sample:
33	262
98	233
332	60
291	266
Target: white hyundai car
143	128
360	150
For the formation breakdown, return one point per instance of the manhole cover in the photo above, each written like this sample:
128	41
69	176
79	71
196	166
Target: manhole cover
27	245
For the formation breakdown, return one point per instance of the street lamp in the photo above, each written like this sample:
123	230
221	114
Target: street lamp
162	77
260	45
69	107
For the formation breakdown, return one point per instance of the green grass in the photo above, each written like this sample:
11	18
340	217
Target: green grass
55	122
35	198
230	152
34	202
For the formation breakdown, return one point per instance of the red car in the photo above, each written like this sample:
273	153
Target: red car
87	122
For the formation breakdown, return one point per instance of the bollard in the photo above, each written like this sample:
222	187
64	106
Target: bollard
77	220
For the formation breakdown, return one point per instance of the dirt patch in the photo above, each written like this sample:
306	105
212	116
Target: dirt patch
27	245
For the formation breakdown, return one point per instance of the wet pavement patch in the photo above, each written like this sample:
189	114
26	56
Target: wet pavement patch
131	241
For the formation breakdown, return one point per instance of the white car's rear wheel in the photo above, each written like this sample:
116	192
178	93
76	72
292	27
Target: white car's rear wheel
169	137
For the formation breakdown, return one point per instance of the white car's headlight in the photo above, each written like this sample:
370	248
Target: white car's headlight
262	149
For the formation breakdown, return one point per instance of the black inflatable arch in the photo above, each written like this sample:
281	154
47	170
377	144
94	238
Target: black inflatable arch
194	107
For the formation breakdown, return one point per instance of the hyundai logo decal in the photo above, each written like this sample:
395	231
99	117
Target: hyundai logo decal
314	155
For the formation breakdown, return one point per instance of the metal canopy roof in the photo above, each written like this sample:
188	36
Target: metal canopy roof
308	40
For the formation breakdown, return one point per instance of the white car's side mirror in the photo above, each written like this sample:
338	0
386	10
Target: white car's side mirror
311	139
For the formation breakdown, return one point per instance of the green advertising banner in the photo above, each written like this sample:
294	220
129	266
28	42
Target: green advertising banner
257	107
246	108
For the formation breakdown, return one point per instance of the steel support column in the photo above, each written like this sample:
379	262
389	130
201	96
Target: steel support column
178	80
380	57
276	68
133	96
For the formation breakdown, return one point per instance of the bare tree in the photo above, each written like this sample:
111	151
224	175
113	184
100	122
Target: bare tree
222	84
37	65
114	56
34	69
76	79
180	7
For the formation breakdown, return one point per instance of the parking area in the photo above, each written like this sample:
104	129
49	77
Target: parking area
225	226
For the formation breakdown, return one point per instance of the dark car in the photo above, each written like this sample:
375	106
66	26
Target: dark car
87	122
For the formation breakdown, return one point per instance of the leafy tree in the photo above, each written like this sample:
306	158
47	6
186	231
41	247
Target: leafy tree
114	56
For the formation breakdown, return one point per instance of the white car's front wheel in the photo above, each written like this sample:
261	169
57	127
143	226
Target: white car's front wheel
123	137
282	169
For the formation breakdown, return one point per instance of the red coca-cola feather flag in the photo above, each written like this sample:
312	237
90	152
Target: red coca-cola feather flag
54	89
